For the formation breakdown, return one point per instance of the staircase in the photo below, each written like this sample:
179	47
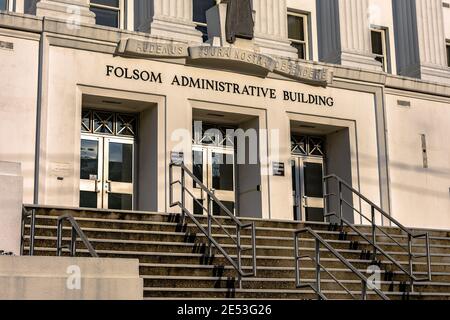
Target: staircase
174	262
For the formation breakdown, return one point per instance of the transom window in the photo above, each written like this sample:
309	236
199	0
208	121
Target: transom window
214	135
307	146
200	7
448	53
379	47
107	12
298	33
109	123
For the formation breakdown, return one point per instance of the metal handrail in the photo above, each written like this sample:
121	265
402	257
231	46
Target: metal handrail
28	214
372	220
319	241
76	232
211	199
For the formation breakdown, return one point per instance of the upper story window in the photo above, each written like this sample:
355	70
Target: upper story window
107	12
448	52
4	5
380	47
298	32
200	8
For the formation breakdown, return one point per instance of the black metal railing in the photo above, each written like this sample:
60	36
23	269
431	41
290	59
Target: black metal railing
319	268
376	212
29	215
208	210
75	233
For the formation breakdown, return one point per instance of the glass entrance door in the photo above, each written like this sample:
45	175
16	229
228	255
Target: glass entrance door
307	182
215	167
106	172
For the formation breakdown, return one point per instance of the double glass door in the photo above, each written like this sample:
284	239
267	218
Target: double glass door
215	167
307	183
106	172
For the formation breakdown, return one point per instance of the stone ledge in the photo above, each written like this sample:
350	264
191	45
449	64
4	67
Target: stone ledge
53	278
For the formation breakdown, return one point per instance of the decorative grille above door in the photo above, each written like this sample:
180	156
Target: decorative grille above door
307	146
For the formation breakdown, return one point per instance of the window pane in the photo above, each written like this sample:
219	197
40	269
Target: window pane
448	55
198	166
377	43
3	4
222	172
89	160
313	180
88	199
121	162
120	201
315	215
29	6
301	50
218	211
105	17
296	28
103	123
200	8
109	3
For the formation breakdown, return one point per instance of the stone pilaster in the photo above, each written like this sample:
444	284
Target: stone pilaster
344	31
167	18
271	33
74	11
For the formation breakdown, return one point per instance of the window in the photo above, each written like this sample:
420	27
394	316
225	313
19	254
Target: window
200	8
3	5
379	47
298	34
448	53
107	12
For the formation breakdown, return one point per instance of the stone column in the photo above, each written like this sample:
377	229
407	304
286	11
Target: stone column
75	11
420	40
346	40
271	33
431	41
168	18
11	195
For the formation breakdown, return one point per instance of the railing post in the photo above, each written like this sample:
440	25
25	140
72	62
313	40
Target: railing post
59	238
374	233
318	269
428	255
32	231
73	242
341	202
183	195
210	212
238	247
254	247
297	260
410	257
325	197
171	184
363	290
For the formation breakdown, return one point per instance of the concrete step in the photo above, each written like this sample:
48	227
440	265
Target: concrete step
277	283
173	264
167	217
134	225
145	235
189	247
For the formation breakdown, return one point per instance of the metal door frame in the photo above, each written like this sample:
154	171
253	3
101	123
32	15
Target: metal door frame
97	184
207	151
300	199
103	186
